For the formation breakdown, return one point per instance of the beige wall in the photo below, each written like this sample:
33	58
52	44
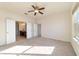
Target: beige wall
56	26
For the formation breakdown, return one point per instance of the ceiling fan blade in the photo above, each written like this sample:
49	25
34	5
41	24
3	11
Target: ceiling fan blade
25	13
41	12
41	8
34	13
31	11
33	6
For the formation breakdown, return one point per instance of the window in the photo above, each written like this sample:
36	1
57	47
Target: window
76	24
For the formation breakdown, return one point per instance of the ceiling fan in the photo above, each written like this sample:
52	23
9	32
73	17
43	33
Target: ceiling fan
36	10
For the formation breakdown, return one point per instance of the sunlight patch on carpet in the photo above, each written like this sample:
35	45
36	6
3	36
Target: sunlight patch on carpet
15	49
40	50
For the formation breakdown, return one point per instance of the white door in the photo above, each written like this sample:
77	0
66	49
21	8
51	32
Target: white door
10	31
29	30
35	30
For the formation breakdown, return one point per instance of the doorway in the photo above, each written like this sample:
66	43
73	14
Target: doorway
21	33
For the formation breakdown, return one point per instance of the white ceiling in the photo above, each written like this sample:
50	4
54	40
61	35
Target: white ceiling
22	7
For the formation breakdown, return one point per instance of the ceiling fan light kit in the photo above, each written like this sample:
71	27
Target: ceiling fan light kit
36	11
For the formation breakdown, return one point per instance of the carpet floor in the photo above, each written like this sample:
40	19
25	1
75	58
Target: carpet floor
38	47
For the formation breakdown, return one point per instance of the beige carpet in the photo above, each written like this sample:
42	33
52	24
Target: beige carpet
38	47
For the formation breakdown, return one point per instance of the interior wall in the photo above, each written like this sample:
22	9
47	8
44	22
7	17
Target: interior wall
56	26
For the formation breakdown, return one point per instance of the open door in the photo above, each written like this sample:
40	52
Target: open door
10	31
